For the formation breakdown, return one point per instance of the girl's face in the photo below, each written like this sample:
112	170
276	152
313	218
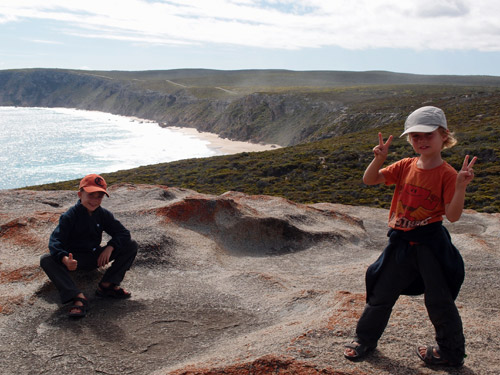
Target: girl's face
91	201
427	143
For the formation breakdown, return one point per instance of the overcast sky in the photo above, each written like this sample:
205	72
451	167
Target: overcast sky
411	36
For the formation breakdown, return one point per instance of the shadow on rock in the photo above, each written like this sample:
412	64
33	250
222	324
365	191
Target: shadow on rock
391	365
104	319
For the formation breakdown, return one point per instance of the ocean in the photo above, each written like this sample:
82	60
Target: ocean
43	145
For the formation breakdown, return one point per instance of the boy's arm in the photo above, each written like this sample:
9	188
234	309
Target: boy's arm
58	239
119	234
453	210
372	175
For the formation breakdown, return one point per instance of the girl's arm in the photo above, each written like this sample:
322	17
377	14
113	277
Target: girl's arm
453	210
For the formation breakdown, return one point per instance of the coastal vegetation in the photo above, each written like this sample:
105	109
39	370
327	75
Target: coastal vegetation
326	121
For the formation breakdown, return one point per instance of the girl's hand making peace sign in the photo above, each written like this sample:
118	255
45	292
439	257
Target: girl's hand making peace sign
382	149
466	174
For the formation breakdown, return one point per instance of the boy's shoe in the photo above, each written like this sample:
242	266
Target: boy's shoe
113	291
430	357
78	311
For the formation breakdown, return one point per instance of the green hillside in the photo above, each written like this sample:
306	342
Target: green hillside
326	121
331	170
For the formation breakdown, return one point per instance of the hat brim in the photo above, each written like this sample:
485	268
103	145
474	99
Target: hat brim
92	189
420	129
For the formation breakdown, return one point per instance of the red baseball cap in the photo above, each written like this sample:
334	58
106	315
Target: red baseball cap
92	183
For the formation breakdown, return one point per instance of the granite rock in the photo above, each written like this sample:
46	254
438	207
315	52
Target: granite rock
230	284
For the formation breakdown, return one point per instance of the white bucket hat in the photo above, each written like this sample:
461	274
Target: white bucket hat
425	120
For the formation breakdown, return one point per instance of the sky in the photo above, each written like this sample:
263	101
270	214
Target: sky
409	36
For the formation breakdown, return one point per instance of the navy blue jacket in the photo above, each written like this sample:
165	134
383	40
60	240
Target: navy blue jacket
80	232
436	237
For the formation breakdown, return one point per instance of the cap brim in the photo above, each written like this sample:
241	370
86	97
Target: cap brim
420	129
91	189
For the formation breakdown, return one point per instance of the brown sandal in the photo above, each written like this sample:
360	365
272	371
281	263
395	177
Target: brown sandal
360	350
430	358
78	311
113	291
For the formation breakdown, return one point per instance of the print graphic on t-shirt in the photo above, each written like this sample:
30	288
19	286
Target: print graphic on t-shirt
414	205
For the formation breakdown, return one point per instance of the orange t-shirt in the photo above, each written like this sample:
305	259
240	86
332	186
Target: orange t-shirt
420	195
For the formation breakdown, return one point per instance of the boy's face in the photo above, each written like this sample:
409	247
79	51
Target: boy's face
427	143
91	201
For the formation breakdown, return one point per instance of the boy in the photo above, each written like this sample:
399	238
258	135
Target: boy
420	257
75	244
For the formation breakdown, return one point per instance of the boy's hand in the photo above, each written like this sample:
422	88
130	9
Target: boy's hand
382	149
104	256
466	174
69	262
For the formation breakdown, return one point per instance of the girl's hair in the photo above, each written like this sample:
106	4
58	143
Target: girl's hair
450	140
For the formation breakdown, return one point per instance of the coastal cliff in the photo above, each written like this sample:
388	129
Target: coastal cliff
275	107
230	284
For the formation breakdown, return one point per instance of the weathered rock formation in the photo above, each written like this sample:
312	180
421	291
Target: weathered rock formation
229	284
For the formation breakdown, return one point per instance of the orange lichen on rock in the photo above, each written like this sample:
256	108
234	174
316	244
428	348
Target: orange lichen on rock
19	230
198	209
10	228
347	310
266	365
7	304
23	274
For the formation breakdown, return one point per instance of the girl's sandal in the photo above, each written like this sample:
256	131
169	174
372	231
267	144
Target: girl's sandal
430	357
360	350
113	291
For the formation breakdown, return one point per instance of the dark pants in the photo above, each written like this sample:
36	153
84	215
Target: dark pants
395	277
57	272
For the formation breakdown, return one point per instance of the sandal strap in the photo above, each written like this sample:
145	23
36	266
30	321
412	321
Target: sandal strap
81	310
430	357
110	287
429	353
82	300
360	350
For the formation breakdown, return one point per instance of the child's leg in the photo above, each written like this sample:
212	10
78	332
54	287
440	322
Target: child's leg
59	275
123	258
394	278
441	307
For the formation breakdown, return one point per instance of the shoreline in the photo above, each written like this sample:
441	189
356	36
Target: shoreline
221	145
224	146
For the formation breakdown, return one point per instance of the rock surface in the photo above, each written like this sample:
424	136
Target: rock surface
230	284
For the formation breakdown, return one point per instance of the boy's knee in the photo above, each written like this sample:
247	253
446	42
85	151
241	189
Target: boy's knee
45	259
130	248
133	246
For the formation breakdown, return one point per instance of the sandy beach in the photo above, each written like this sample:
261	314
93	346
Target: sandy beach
224	146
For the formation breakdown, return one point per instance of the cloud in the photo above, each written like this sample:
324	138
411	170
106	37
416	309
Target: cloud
442	8
274	24
40	41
